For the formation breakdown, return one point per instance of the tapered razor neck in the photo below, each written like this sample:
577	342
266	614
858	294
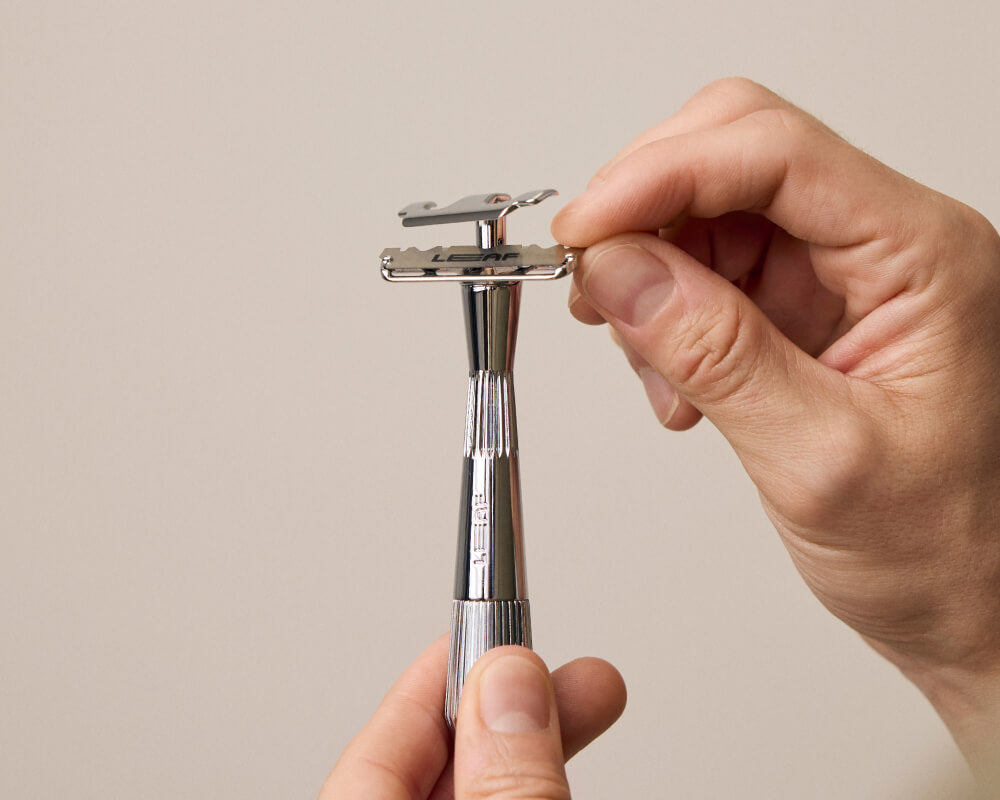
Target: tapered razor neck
491	313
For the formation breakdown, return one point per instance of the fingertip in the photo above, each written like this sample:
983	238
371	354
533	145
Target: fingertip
661	395
581	310
591	695
565	229
615	686
597	677
508	690
626	279
574	294
507	736
515	696
571	225
673	411
684	417
637	362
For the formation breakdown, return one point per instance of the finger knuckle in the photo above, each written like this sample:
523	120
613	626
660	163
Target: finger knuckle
949	247
389	776
737	87
790	124
520	782
838	479
716	354
977	227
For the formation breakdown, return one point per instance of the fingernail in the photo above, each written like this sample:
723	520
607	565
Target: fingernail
597	181
616	337
574	294
660	393
514	696
628	282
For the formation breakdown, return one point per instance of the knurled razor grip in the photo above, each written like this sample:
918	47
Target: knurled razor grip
490	606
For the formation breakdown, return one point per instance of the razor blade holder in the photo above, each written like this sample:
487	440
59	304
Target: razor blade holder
490	606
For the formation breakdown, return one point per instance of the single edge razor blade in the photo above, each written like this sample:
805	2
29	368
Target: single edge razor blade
500	265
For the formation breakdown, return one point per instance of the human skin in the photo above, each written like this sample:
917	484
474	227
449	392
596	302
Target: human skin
838	323
406	752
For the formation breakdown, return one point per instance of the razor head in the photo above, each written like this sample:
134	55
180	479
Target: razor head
476	207
492	260
503	264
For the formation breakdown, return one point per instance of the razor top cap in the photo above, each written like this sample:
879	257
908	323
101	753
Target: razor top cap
491	260
473	208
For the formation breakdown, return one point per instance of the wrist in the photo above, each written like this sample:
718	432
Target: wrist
968	702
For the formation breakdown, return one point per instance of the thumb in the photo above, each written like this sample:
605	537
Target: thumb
718	351
507	741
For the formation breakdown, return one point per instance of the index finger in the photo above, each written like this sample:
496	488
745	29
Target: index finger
401	752
786	166
775	162
718	103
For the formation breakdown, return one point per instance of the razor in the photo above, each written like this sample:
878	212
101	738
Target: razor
490	606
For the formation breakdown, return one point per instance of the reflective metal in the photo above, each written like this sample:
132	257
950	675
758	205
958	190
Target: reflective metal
471	208
490	606
478	626
500	264
491	233
490	560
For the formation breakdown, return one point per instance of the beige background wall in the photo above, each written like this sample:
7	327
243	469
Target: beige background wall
229	454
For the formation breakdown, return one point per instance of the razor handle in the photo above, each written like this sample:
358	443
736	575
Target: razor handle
490	606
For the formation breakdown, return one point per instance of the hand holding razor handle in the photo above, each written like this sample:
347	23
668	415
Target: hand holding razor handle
490	606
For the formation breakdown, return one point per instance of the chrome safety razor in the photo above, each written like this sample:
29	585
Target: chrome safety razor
491	597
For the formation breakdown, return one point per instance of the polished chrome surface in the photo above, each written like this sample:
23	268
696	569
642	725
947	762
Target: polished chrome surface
477	626
471	208
491	314
490	559
490	582
491	233
499	264
490	606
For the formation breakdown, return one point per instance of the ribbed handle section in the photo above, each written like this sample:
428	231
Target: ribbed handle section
477	626
490	426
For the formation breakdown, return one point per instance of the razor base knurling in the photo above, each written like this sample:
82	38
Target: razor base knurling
478	626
